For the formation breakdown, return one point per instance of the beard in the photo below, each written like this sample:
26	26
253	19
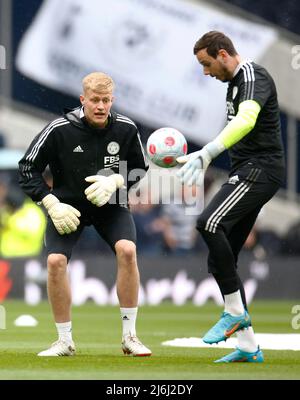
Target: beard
227	76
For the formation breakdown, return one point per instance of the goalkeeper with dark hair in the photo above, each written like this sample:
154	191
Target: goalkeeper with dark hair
253	138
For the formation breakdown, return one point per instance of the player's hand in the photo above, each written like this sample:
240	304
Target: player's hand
195	165
64	216
102	188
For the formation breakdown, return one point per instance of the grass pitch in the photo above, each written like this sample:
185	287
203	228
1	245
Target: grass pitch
97	332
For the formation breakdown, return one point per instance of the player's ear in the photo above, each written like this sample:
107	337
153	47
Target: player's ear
81	97
223	54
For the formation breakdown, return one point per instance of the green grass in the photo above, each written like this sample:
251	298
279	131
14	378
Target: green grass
96	332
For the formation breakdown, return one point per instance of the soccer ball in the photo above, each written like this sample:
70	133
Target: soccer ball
164	145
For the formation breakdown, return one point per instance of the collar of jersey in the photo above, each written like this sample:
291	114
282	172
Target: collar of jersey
239	66
94	129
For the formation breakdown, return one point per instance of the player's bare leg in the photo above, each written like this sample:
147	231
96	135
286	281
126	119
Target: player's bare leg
128	277
128	281
59	293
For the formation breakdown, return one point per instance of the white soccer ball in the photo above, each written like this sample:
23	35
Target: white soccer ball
164	145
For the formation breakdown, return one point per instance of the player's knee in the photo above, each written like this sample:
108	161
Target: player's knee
126	250
57	263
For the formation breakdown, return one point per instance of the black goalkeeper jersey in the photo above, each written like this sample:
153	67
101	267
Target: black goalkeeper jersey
262	146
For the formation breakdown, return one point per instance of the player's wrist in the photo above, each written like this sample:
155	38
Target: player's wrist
213	149
49	201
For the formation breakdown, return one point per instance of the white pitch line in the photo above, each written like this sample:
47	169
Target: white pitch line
266	341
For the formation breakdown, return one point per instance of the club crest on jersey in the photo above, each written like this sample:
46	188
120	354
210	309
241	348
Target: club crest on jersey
113	148
234	92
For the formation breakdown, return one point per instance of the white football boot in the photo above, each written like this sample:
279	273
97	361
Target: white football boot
59	348
131	345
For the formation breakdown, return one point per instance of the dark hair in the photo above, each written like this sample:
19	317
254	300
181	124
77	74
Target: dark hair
213	41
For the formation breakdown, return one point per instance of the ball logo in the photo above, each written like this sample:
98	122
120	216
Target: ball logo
152	149
168	160
169	141
113	148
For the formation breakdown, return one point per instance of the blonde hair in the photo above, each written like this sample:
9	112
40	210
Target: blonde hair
98	82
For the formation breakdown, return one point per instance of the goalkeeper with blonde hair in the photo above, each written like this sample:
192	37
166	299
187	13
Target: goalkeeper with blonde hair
84	150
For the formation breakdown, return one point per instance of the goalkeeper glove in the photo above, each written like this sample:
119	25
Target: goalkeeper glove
64	216
102	188
196	163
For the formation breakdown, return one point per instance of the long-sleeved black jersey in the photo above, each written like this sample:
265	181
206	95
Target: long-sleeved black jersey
263	145
74	150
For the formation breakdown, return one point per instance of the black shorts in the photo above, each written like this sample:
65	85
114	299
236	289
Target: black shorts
246	191
112	222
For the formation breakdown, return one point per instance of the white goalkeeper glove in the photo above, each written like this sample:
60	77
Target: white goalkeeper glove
64	216
102	188
197	162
